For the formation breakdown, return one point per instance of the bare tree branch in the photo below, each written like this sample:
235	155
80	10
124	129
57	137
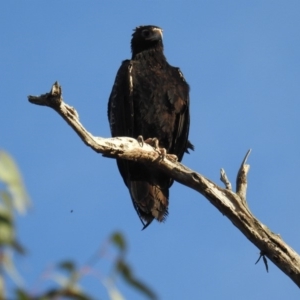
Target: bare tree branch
232	205
225	180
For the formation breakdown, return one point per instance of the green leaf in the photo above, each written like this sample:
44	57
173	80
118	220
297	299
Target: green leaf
2	288
128	276
63	294
7	201
69	281
5	217
119	241
18	247
10	175
22	295
7	232
67	266
10	269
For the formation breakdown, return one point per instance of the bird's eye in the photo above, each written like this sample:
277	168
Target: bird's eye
146	33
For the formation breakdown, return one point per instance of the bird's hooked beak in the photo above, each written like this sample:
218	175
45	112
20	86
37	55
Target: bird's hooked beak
157	34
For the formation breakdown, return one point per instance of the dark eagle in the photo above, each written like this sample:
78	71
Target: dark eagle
149	99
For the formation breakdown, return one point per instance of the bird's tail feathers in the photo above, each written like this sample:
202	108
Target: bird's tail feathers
189	145
150	201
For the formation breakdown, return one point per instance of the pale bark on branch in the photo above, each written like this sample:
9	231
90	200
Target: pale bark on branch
231	204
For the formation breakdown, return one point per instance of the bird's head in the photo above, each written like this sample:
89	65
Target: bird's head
146	38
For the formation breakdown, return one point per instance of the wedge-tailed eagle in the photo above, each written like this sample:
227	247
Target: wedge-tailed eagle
149	99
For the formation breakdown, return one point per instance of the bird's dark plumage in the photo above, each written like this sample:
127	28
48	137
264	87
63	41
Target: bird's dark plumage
150	98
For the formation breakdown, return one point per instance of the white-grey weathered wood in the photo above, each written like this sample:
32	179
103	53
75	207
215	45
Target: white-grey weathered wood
232	205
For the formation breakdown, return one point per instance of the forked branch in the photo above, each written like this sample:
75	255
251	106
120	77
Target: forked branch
232	205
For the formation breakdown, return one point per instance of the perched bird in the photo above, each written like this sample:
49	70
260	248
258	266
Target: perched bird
149	99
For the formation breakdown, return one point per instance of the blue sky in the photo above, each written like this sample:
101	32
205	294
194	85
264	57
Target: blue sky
241	60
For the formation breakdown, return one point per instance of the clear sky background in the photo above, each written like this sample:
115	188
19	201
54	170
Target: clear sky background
242	61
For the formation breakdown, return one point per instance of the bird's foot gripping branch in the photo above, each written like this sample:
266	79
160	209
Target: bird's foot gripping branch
231	204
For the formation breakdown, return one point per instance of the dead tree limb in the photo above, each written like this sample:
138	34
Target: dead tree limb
232	205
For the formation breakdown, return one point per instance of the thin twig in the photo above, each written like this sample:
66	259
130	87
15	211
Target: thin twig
225	180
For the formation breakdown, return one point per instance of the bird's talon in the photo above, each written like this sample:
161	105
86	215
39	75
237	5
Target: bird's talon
164	155
140	140
153	142
162	152
172	157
